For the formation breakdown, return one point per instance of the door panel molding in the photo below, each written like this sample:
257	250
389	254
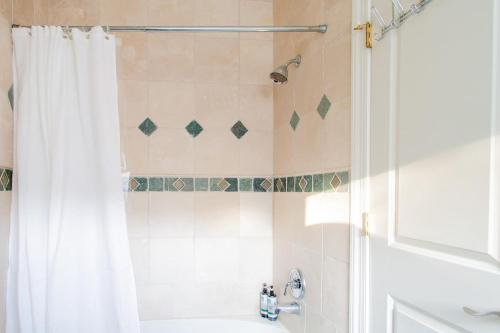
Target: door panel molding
494	204
397	307
489	260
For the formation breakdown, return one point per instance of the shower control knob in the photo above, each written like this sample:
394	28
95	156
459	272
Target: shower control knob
295	284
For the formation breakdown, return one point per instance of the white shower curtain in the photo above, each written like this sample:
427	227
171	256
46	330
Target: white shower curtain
70	268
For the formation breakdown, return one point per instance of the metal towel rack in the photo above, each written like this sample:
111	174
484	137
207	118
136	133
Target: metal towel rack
401	14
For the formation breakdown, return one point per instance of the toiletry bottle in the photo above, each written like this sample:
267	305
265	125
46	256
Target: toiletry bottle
263	301
272	305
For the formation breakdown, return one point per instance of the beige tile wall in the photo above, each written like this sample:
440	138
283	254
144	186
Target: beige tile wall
319	250
195	254
5	143
217	241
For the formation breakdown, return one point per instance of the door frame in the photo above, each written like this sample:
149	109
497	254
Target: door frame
360	181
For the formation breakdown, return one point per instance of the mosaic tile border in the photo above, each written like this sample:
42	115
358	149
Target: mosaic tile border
314	183
198	184
321	182
5	179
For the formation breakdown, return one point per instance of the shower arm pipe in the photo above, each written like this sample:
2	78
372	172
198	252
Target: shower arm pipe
297	60
317	28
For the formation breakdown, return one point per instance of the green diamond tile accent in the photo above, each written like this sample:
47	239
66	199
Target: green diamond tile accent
9	175
257	185
283	181
280	184
290	184
324	106
303	183
309	185
233	184
246	184
239	130
262	184
219	184
133	184
147	127
294	120
169	184
156	184
178	184
336	182
344	178
318	183
10	94
298	187
327	180
201	184
267	184
138	184
5	179
194	128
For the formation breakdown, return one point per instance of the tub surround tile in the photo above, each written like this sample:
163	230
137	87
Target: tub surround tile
256	215
175	12
10	94
184	184
262	184
155	184
172	260
201	184
188	184
229	184
233	184
303	183
138	184
171	57
137	205
280	184
298	185
333	181
239	130
148	127
327	182
218	184
171	214
194	128
290	184
324	106
5	179
246	184
318	183
294	120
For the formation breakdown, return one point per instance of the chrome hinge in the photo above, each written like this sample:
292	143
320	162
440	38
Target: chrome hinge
368	28
365	231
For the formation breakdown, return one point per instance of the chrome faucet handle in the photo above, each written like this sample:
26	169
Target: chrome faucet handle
289	284
295	284
474	313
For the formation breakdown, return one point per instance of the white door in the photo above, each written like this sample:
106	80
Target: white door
435	170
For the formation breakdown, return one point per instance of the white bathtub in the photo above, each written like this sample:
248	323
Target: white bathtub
216	325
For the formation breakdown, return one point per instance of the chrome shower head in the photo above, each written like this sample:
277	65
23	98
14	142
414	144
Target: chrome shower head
280	74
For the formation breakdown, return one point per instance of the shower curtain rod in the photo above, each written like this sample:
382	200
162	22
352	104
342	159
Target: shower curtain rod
317	28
